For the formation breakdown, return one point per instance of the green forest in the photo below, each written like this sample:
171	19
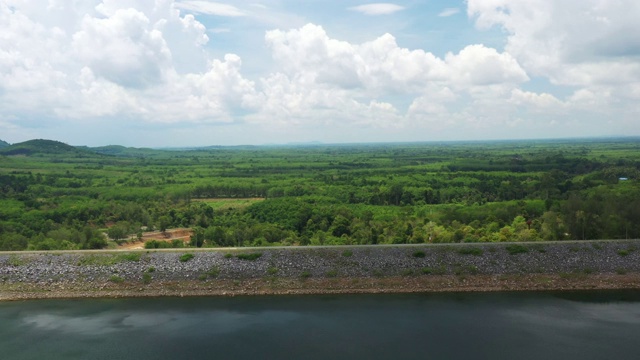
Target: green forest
56	196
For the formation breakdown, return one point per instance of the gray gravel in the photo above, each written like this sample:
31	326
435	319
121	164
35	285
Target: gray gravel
555	258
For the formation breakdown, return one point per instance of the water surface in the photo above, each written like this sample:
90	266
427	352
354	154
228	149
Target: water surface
603	325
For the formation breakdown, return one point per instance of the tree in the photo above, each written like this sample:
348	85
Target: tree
117	232
164	222
197	239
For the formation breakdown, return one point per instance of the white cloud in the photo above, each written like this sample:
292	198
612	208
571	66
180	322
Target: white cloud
123	48
324	78
537	101
479	65
449	12
381	66
123	59
149	62
572	42
377	9
589	46
209	8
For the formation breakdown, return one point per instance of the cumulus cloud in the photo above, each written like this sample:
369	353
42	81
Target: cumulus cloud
335	78
123	48
573	42
479	65
153	61
377	8
382	66
589	46
535	100
142	60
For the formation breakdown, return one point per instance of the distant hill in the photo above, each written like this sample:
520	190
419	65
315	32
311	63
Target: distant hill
3	144
122	151
42	147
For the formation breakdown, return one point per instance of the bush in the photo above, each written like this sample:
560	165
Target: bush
250	256
116	279
347	253
134	257
272	270
186	257
332	273
624	252
466	269
305	275
228	256
146	278
407	272
471	250
419	254
213	272
14	260
516	249
155	244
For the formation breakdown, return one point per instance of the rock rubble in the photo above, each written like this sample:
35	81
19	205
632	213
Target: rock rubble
599	257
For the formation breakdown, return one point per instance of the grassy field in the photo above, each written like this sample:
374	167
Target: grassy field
229	203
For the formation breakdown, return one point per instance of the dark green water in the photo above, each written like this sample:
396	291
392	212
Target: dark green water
434	326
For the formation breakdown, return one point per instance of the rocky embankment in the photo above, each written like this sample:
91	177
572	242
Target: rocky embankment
472	267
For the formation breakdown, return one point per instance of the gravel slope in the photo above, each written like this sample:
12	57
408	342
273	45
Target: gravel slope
45	272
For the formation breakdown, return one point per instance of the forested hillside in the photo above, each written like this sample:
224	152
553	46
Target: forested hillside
54	196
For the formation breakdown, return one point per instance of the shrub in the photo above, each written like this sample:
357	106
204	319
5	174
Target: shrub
186	257
419	254
470	250
272	270
134	257
155	244
116	279
516	249
407	272
15	260
213	272
347	253
151	269
228	256
332	273
465	270
146	278
624	252
427	271
305	275
250	256
440	270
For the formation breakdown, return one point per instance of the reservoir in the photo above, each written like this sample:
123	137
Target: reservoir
581	325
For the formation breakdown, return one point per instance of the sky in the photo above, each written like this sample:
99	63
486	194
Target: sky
181	73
